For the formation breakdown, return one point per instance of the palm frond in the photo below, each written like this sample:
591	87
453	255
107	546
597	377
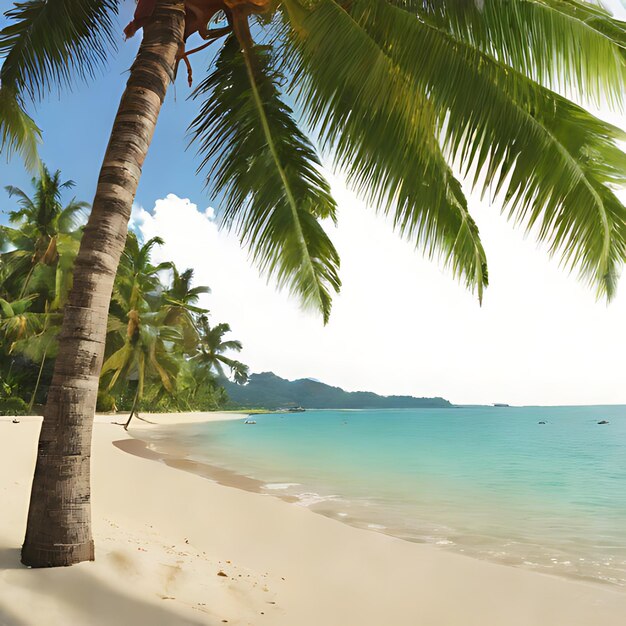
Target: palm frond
268	173
233	344
554	162
50	43
18	131
72	216
562	44
47	43
380	129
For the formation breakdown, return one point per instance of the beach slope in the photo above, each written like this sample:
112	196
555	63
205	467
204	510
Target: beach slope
175	548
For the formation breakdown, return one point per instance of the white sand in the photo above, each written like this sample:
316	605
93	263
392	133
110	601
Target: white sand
169	419
162	535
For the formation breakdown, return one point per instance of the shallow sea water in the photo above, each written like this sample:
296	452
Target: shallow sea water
490	482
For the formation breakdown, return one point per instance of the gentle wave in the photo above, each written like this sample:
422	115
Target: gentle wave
492	483
280	486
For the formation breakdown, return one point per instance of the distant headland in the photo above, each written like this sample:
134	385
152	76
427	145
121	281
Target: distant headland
269	391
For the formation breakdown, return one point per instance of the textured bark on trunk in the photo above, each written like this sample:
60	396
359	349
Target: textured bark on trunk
59	518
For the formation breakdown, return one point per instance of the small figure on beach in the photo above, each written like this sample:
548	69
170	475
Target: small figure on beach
15	420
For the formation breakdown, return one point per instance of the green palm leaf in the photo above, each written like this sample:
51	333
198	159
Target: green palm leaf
564	44
51	43
556	162
18	131
268	173
47	44
380	129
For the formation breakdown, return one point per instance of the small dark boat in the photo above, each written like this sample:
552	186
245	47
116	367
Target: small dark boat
604	422
541	422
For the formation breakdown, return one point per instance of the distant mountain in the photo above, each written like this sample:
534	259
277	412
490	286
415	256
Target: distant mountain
269	391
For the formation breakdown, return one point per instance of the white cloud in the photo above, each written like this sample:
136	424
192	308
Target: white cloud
617	7
401	325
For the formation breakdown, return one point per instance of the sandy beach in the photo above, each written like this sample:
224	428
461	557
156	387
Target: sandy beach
175	548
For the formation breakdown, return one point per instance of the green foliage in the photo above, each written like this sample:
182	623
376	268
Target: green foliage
18	131
105	402
381	131
268	172
154	340
397	92
555	163
542	39
427	87
13	406
47	44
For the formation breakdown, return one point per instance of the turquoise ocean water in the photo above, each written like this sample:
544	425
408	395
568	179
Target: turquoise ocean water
489	482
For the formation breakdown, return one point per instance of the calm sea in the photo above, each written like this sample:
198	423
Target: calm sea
488	482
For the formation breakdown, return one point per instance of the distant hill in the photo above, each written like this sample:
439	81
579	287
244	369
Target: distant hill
268	391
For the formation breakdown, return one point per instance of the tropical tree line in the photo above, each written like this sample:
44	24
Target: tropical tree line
396	92
161	352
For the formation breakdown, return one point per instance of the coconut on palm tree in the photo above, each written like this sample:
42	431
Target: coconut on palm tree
394	91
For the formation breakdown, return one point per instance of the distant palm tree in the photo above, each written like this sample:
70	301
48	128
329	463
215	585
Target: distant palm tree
33	334
146	353
139	321
137	282
211	348
40	222
394	90
181	301
43	244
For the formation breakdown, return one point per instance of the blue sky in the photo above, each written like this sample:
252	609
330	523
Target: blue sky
401	324
77	126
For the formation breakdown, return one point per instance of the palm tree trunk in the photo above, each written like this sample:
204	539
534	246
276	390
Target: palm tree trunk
59	518
31	404
26	281
132	410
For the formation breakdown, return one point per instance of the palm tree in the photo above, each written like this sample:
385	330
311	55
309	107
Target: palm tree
141	329
146	353
181	300
29	333
137	282
44	242
395	91
41	222
210	358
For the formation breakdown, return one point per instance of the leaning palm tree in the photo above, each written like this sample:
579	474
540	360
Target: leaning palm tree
145	354
141	329
395	92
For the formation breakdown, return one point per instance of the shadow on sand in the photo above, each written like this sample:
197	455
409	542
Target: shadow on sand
10	559
85	594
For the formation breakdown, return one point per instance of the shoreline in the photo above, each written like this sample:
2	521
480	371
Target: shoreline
150	420
176	458
175	548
